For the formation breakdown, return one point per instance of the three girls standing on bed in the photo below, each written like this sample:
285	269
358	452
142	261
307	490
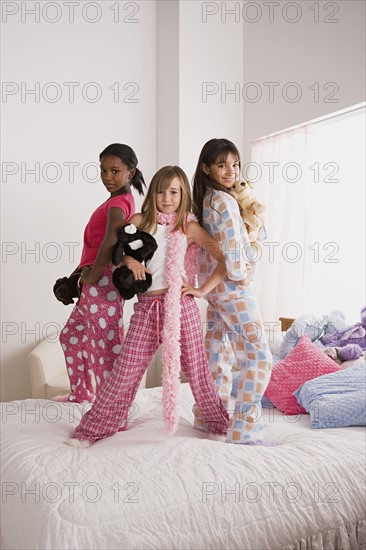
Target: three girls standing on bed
92	337
235	330
164	314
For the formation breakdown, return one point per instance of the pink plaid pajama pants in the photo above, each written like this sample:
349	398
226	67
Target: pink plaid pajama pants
109	412
92	337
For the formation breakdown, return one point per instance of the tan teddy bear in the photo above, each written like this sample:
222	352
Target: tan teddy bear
251	211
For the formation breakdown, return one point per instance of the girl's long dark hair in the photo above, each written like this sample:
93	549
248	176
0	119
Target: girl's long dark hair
215	150
128	157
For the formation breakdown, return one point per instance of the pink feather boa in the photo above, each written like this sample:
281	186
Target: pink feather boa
176	264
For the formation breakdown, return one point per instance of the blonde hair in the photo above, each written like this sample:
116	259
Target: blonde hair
161	182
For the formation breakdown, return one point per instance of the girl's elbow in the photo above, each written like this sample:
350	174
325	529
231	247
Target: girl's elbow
223	268
110	241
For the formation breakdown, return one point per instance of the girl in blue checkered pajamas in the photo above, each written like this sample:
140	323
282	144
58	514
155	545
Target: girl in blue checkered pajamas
235	331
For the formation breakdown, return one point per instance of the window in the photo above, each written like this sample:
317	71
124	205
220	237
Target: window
312	180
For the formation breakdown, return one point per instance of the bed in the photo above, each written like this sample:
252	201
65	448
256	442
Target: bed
144	489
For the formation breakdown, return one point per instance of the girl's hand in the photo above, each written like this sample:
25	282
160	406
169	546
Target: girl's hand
245	282
139	270
250	275
85	276
189	289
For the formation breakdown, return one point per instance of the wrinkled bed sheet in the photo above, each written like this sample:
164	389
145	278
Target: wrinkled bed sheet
145	489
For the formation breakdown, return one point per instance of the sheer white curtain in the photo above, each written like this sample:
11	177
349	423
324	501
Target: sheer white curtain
312	181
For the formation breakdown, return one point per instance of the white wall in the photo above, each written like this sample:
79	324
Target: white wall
197	42
167	83
38	213
210	52
330	52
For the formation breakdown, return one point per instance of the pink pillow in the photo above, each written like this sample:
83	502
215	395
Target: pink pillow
304	362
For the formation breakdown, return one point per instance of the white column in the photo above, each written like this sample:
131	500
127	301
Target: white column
167	83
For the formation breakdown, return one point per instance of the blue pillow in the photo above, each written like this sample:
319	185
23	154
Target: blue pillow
266	403
337	399
306	324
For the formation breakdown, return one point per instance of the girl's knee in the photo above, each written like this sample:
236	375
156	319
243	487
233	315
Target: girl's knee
262	351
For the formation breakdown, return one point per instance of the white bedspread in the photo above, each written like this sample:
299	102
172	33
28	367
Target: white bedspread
144	489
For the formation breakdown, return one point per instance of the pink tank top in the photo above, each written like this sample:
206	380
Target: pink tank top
95	230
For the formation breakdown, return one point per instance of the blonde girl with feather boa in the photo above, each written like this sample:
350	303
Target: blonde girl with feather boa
166	314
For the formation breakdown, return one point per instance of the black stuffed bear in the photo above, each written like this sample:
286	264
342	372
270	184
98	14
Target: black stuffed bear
140	246
67	288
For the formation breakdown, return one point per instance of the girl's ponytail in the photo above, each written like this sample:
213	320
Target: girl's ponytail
138	182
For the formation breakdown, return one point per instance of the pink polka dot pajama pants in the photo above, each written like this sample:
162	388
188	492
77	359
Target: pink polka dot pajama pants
93	336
